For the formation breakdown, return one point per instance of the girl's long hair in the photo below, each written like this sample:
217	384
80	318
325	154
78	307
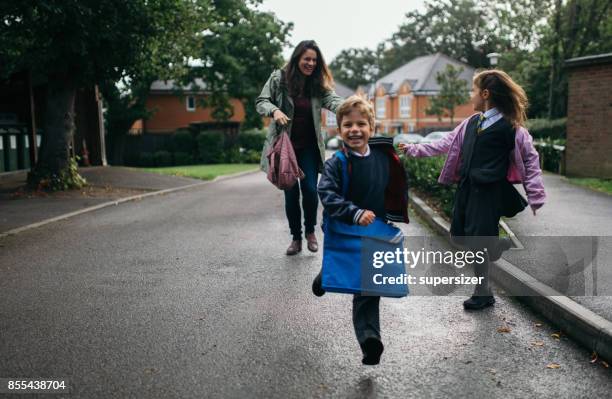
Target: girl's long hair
505	94
319	82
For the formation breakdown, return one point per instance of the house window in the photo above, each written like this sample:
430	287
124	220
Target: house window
404	103
380	108
330	119
191	104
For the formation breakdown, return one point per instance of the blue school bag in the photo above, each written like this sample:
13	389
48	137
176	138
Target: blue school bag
349	250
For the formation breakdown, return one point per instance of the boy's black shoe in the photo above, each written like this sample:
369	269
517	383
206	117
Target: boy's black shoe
503	245
372	350
478	302
317	286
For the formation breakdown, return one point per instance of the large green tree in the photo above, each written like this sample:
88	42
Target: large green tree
453	92
357	66
238	50
67	44
233	52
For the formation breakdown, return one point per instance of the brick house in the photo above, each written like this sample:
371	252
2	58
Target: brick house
401	97
589	111
328	118
174	109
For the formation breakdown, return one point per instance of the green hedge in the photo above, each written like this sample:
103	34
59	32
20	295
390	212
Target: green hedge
184	148
423	175
547	128
552	154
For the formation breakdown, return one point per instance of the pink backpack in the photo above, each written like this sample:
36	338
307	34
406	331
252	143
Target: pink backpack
283	170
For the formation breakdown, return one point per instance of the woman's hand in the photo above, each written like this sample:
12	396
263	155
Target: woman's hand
281	118
366	218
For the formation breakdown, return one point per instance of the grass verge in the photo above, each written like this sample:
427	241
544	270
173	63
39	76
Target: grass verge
202	172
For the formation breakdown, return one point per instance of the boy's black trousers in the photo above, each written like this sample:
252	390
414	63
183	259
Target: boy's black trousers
366	317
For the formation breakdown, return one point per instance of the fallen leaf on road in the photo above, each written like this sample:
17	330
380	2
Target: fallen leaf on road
556	335
504	329
538	324
594	358
537	343
605	364
553	366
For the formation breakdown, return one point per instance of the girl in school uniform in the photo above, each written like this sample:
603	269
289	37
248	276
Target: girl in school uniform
487	153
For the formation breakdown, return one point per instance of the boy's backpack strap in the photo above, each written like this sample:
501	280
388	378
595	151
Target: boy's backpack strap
345	171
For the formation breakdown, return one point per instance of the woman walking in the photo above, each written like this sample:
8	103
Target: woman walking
293	96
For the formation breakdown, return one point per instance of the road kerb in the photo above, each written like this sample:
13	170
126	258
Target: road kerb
137	197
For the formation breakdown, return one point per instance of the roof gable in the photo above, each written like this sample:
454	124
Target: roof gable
421	73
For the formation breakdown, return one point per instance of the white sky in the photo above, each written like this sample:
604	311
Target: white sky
340	24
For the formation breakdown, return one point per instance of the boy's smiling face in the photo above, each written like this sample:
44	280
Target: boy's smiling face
355	131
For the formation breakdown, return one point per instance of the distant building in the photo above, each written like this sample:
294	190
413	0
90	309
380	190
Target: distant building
328	118
589	108
176	108
401	97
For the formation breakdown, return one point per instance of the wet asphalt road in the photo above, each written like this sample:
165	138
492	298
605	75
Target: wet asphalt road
189	295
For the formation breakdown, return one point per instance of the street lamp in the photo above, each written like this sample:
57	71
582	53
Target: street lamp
493	58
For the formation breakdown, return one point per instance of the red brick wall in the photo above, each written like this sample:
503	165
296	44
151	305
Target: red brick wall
171	113
589	118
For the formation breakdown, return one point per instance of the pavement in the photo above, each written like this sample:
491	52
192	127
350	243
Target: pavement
19	208
190	295
568	245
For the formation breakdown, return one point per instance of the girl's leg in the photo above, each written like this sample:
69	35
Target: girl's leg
481	224
309	163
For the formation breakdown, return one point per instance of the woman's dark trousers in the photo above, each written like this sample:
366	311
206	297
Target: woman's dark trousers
308	160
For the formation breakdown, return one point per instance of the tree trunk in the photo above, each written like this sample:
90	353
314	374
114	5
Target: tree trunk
53	169
554	61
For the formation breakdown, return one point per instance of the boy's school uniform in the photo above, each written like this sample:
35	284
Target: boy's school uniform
396	192
524	165
348	247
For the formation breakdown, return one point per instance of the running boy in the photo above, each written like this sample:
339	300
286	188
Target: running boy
377	188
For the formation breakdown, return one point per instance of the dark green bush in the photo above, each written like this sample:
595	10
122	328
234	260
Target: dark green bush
551	154
183	141
146	159
251	156
182	158
252	139
232	155
423	175
162	158
210	147
547	128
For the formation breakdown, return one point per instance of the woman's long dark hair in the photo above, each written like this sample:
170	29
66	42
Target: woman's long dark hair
321	79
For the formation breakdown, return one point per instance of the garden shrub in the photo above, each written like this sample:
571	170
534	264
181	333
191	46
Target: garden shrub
547	128
162	158
146	159
210	147
184	141
182	158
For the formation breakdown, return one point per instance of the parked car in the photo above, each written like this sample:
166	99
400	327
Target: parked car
433	136
407	138
333	143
